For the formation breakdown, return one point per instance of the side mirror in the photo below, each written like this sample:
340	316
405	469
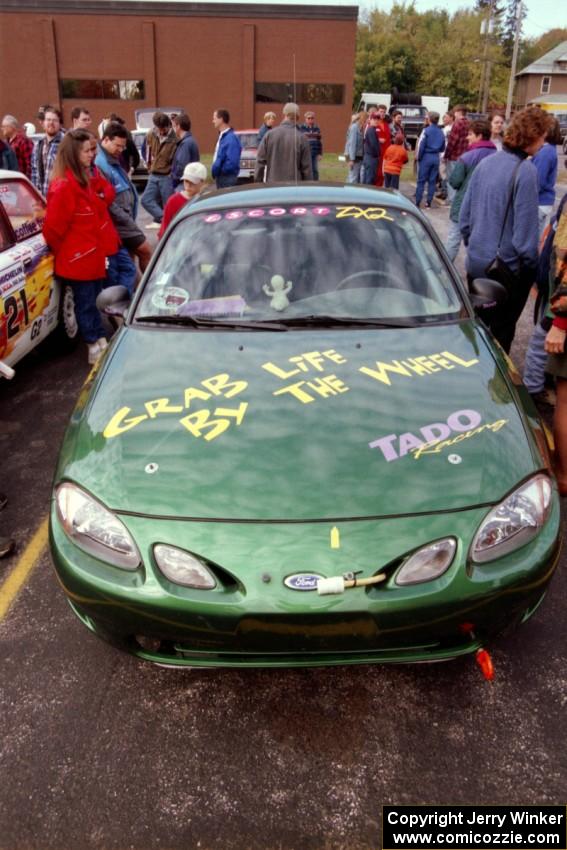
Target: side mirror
119	308
485	293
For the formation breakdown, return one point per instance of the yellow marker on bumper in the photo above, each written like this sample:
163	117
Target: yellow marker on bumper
335	538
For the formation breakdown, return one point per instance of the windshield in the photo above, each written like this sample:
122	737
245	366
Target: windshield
282	264
413	111
248	140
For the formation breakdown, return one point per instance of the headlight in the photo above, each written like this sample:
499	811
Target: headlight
428	563
94	528
514	522
182	568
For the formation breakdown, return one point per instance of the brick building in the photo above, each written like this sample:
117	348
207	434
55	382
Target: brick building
121	55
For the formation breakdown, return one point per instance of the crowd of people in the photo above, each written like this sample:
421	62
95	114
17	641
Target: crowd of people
91	221
498	180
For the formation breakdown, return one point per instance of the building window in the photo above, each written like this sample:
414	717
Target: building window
545	85
322	94
102	89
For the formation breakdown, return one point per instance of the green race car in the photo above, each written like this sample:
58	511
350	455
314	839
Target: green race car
303	447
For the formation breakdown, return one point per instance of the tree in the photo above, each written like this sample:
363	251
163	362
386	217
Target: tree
426	52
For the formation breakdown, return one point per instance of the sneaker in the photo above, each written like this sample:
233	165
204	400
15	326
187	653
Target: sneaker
427	205
94	353
155	225
7	545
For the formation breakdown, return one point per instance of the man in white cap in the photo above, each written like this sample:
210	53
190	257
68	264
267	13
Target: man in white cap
284	154
194	181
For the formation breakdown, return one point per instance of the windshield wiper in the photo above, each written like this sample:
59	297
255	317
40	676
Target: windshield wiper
330	321
209	322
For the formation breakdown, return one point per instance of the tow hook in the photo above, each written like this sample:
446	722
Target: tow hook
484	661
338	584
6	371
482	655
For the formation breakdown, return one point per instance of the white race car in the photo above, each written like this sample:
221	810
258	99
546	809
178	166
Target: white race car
32	303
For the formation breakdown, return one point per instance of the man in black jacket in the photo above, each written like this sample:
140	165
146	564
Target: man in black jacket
371	150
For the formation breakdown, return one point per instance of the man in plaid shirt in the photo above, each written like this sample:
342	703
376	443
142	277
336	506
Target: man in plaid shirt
45	151
457	144
19	142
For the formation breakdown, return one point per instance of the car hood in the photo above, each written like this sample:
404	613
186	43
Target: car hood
298	425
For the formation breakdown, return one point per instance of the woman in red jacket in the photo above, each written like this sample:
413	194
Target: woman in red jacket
78	230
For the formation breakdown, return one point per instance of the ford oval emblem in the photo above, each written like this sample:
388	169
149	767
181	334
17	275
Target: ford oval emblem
302	581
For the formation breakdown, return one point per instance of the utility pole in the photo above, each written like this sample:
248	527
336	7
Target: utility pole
487	64
514	61
486	29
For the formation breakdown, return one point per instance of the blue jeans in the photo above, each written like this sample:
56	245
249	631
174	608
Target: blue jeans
225	181
354	172
156	195
427	172
536	359
314	166
86	311
369	166
121	271
453	239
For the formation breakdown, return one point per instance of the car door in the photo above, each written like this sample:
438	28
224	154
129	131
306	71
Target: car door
29	298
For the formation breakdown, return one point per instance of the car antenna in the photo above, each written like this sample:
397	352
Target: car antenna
296	127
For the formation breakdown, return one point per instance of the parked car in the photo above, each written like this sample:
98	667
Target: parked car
325	458
144	123
249	142
33	304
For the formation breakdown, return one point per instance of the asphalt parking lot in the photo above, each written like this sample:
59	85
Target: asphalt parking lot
104	752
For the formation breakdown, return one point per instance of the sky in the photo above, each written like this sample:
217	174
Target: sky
542	15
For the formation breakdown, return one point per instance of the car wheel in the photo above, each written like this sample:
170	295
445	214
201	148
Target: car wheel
66	335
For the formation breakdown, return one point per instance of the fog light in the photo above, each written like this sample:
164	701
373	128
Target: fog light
149	644
183	568
428	563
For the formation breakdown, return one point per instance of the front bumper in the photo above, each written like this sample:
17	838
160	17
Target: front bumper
252	619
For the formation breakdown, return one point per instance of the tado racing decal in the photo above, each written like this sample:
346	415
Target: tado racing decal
460	425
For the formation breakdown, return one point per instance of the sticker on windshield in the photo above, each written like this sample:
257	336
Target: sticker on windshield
257	213
214	217
229	305
233	215
170	298
277	211
368	213
298	210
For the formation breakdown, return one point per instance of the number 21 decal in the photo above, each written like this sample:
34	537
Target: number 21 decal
11	311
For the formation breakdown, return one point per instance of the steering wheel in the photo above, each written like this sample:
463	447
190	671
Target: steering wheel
356	276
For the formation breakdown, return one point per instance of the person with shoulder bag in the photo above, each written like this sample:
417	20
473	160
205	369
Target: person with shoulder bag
499	219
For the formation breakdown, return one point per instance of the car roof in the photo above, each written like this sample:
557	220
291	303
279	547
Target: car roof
259	194
6	174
